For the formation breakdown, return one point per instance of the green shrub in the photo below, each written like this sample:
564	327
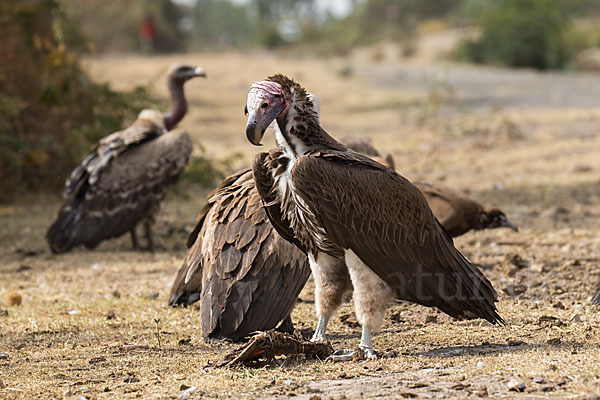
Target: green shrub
521	33
51	112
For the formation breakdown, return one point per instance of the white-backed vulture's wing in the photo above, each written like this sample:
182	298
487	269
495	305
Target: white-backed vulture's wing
386	222
246	277
119	184
107	149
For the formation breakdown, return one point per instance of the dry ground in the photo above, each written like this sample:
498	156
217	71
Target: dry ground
95	323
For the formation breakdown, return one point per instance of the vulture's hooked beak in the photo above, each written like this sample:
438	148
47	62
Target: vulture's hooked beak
199	72
510	225
254	130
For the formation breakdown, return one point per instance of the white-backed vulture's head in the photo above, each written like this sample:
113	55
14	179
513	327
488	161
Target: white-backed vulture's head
180	74
266	101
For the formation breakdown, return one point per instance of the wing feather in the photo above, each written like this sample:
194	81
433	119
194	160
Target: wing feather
246	277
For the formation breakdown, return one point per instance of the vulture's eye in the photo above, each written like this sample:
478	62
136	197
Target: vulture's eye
264	105
246	110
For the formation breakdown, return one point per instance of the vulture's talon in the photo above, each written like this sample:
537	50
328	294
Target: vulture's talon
341	356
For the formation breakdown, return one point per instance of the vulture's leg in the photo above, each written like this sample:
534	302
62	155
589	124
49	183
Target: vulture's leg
371	297
286	325
331	282
148	233
134	241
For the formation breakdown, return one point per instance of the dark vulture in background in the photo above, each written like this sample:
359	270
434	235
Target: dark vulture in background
365	146
459	213
122	181
359	221
246	277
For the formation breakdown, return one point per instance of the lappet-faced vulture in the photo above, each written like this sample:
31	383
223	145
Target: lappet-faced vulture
456	211
361	224
244	275
122	181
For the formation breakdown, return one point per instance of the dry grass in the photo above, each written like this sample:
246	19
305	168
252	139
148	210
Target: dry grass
95	323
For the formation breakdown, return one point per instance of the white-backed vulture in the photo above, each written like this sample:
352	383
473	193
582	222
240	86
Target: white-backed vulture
122	181
361	223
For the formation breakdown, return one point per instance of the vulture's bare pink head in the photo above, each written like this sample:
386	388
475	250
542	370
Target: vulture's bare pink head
266	101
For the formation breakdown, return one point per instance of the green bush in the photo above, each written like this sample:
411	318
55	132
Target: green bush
51	112
521	33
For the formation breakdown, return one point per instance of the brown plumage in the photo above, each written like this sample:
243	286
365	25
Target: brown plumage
456	211
245	276
122	181
344	208
459	213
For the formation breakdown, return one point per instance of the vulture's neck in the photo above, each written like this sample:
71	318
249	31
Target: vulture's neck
298	130
178	105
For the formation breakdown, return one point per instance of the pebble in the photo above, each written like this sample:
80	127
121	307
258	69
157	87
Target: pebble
13	299
4	356
515	290
1	384
185	391
131	379
516	385
3	313
538	379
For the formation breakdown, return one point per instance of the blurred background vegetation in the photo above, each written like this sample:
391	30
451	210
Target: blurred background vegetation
51	112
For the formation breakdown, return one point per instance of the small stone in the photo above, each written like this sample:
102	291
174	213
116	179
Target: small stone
513	343
559	305
153	296
460	386
515	290
538	379
516	385
1	384
131	379
554	341
547	388
3	313
24	268
481	392
4	356
480	364
110	315
13	299
518	261
549	320
116	294
396	316
431	319
186	391
576	318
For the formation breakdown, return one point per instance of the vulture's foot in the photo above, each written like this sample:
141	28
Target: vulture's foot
286	326
318	338
341	356
360	354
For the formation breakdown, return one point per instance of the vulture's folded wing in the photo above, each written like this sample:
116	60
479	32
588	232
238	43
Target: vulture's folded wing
386	221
